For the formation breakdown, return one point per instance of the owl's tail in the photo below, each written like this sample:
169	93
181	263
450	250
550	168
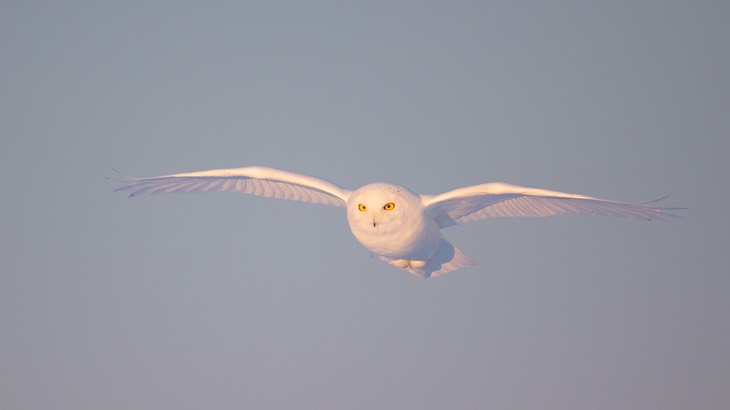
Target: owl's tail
446	259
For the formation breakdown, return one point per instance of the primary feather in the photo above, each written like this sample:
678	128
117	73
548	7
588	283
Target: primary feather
498	199
259	181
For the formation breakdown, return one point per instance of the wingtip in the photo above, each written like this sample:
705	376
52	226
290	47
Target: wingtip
124	177
657	200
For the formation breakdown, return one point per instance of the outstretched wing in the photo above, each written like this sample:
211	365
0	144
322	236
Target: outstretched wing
260	181
498	199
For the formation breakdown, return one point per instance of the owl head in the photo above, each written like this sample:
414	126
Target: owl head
381	208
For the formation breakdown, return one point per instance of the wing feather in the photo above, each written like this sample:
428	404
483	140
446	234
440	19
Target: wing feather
497	200
259	181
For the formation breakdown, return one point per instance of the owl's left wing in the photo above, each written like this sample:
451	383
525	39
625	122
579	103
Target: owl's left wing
498	199
259	181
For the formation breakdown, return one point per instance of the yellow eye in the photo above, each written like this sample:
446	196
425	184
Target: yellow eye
362	207
389	206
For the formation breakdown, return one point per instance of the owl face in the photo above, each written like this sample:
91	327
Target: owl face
380	207
385	218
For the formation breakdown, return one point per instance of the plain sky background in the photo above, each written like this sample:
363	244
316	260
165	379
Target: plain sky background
226	301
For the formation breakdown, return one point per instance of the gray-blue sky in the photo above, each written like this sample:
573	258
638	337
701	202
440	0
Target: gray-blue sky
228	301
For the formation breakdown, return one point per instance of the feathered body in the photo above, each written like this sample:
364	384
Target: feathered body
404	236
396	225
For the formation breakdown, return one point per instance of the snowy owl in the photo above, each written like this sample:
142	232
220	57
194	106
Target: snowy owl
398	226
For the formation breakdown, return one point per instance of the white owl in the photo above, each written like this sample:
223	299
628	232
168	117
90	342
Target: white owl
396	225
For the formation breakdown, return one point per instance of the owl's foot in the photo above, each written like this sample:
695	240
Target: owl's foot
401	263
418	264
405	264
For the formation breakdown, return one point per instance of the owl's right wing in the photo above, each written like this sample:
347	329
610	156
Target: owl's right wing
498	199
259	181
